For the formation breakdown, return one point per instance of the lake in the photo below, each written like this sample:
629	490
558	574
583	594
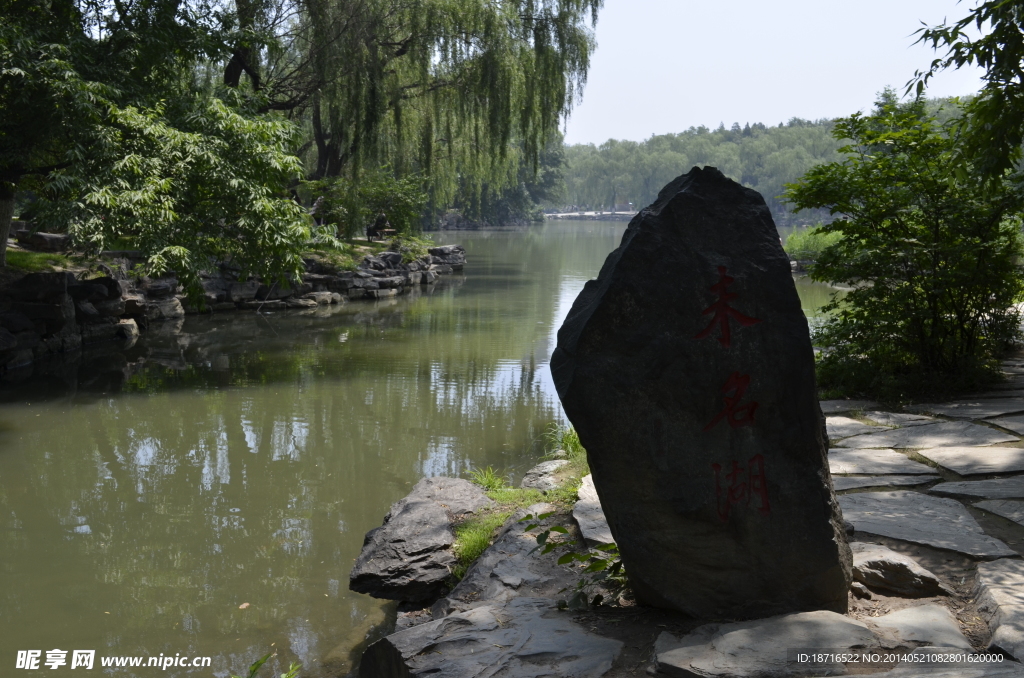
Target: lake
206	493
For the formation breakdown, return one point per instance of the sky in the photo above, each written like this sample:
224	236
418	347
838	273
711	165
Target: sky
666	65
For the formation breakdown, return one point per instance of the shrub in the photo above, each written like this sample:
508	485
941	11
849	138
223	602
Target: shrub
931	256
807	244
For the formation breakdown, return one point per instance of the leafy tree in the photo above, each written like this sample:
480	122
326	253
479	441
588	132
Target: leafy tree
461	92
932	259
188	188
991	128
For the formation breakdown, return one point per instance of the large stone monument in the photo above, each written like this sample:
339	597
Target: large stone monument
687	370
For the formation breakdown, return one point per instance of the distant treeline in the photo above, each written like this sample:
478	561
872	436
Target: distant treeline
763	158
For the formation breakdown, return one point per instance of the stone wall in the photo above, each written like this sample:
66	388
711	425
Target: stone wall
47	314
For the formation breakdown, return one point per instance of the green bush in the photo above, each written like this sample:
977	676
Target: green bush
808	244
931	257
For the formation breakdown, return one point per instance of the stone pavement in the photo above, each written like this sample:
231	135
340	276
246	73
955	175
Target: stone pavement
946	475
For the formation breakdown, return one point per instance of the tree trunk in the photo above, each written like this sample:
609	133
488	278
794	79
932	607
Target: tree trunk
6	213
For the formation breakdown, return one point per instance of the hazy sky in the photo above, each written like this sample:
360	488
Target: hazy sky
666	65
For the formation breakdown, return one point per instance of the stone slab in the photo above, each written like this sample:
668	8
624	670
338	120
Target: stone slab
844	427
1001	599
880	567
973	409
837	406
968	461
843	483
944	669
930	625
409	556
943	434
898	419
920	519
760	648
1011	510
590	516
874	462
1015	423
543	475
996	488
525	638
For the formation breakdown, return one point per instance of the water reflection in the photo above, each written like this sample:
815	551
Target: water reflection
206	492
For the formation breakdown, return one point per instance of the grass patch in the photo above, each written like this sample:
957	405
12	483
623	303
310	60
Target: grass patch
475	534
36	261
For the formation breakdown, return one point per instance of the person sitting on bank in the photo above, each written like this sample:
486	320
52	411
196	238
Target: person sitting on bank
380	224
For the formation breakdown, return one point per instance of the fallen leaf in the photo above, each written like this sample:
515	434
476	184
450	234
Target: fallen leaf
243	606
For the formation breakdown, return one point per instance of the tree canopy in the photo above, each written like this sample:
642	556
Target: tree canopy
932	260
991	129
184	126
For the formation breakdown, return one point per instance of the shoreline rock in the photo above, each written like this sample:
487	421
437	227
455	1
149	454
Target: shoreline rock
409	558
51	313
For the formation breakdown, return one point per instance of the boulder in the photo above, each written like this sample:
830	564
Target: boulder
110	308
391	259
321	298
408	557
16	322
159	288
882	568
42	287
590	516
525	638
162	308
543	475
688	372
46	242
301	303
7	340
242	291
88	291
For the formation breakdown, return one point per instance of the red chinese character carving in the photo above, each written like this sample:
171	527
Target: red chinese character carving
737	491
723	310
737	415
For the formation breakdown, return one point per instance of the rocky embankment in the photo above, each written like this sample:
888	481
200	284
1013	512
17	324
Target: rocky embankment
53	313
936	592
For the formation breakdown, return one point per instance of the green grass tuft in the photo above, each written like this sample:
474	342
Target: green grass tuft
488	478
473	536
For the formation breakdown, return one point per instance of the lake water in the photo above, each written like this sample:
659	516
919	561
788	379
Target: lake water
206	493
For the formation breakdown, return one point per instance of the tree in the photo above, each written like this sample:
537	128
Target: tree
102	115
991	128
460	92
932	260
189	188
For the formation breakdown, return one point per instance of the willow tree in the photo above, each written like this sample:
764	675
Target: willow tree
456	90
